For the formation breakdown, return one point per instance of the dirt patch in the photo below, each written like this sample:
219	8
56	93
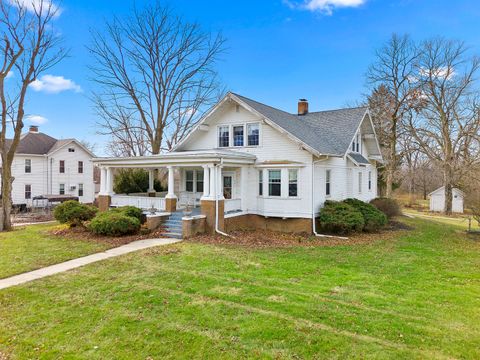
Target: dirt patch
266	239
23	218
80	233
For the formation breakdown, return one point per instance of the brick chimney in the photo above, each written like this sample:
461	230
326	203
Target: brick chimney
302	106
33	129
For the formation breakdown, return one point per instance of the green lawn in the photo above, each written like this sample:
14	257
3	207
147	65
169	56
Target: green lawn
414	297
459	221
29	248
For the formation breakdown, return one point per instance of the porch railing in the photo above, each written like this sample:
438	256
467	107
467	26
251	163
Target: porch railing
232	205
142	202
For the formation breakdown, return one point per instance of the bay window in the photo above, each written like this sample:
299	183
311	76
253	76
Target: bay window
293	182
274	183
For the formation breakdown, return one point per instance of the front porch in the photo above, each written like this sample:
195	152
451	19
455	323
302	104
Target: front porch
205	180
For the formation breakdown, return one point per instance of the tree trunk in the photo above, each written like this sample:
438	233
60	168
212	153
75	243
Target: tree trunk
6	196
448	188
389	183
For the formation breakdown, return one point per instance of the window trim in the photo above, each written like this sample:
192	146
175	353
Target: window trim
60	186
231	137
29	166
61	166
370	180
196	173
80	167
80	189
192	181
259	133
260	182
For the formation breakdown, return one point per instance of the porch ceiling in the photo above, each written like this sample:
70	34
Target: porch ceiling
179	158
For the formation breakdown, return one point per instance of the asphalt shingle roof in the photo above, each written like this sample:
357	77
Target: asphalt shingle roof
37	143
328	132
359	158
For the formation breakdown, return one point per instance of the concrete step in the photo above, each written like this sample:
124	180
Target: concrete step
173	235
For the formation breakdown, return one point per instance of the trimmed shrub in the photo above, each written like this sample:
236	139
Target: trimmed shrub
340	218
389	207
114	223
129	181
74	213
131	211
374	219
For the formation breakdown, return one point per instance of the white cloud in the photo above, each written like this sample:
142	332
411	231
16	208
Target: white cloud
54	84
324	6
31	5
36	119
441	72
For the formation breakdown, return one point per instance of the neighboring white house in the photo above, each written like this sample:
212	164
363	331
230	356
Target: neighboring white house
437	200
259	160
47	166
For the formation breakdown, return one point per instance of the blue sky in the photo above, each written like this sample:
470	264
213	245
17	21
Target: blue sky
278	50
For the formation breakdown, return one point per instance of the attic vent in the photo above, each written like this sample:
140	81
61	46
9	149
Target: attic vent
237	108
71	150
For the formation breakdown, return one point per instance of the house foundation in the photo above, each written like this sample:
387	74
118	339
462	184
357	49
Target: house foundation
258	222
208	208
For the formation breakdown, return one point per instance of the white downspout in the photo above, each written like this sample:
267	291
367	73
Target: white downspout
314	225
215	180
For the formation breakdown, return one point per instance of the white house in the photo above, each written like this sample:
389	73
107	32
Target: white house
437	200
44	166
246	164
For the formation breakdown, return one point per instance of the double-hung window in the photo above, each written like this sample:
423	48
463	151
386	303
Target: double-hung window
80	189
359	182
189	180
61	189
28	192
199	181
274	183
253	134
369	180
293	182
260	182
328	175
224	136
80	167
28	166
238	133
61	168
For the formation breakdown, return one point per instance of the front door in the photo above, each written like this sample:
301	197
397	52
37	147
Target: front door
227	186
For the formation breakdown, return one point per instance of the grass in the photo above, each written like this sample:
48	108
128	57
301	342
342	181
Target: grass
458	221
29	248
413	297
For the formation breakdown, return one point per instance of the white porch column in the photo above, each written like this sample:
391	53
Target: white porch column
244	187
213	180
103	181
206	181
109	182
151	173
171	183
219	182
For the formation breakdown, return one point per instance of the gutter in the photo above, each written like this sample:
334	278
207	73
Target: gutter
314	225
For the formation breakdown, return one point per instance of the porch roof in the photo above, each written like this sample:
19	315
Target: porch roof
179	158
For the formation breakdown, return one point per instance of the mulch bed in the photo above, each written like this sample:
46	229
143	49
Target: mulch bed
271	239
31	218
80	233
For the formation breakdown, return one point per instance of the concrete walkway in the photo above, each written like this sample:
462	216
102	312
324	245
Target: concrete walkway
75	263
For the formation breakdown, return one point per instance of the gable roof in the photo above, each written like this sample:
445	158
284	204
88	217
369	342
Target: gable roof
37	143
328	132
441	190
322	133
358	158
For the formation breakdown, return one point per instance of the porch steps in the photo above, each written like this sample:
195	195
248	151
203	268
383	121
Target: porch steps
172	228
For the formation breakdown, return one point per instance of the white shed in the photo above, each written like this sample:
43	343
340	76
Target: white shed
437	200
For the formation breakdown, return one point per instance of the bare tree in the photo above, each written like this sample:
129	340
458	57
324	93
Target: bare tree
29	46
156	73
392	94
447	125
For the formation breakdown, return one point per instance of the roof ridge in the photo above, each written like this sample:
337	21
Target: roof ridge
258	102
340	109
